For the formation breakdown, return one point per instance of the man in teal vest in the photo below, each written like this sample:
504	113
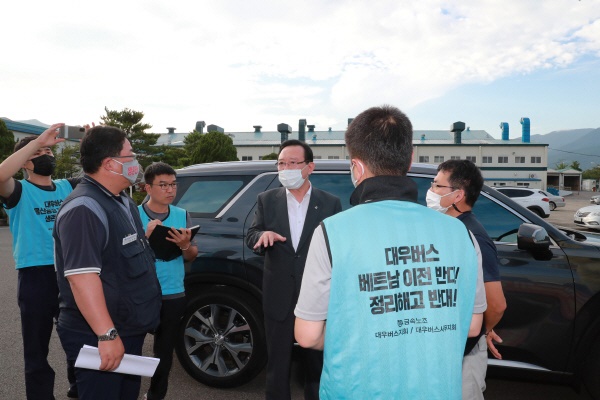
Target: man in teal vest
389	290
161	186
31	205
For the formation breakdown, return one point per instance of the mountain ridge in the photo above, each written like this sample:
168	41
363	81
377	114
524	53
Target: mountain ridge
581	145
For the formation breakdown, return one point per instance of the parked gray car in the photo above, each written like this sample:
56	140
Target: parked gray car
555	201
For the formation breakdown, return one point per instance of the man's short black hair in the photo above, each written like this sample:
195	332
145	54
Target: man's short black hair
99	143
23	142
157	168
382	138
464	175
308	154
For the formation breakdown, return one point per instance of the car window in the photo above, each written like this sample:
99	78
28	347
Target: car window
500	224
515	192
204	197
525	193
338	184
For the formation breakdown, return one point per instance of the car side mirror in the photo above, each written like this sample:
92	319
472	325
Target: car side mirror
532	237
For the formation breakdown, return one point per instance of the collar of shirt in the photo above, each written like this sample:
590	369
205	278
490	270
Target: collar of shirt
306	196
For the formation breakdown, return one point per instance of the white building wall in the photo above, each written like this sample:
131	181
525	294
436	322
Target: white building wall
513	172
496	173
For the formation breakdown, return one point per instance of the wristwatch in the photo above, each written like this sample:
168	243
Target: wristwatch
111	334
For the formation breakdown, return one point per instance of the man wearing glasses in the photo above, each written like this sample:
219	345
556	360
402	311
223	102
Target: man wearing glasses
110	294
454	191
161	186
282	230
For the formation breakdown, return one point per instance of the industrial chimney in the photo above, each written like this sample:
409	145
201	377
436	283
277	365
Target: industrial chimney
302	130
285	130
457	127
214	128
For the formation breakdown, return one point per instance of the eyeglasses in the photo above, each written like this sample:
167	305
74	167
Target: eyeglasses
291	164
435	185
132	155
164	186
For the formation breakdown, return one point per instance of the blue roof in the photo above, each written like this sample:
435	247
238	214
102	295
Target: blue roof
23	127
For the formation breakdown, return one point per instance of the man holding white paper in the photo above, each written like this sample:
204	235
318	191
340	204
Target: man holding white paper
161	186
110	295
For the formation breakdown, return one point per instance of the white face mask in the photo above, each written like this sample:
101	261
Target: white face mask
433	201
131	170
352	178
291	178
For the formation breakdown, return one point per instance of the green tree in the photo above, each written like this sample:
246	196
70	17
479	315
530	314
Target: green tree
7	141
67	161
270	156
209	147
575	165
176	157
130	122
592	173
191	143
7	145
561	165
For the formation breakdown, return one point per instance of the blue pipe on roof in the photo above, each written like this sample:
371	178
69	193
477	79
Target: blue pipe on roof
504	127
525	123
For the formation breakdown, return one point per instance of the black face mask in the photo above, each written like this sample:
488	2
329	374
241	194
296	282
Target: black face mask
44	165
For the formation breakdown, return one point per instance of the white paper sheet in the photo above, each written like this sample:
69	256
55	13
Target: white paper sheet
89	358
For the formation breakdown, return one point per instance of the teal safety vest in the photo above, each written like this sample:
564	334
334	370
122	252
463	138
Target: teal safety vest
32	221
401	301
170	273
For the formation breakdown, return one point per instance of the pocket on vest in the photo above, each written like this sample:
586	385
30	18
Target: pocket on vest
137	261
140	311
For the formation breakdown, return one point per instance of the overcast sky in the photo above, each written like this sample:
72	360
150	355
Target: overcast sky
242	63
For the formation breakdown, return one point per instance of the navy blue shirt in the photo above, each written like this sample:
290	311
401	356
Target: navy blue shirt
489	255
489	258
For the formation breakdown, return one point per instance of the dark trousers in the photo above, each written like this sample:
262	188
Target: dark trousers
37	294
102	385
171	312
280	342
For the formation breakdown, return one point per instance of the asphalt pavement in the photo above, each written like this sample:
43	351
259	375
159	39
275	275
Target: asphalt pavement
181	386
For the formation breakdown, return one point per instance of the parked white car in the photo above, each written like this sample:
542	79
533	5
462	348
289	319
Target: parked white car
588	216
555	201
595	199
533	199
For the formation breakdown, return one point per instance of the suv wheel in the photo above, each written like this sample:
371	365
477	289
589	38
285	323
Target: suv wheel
552	206
222	340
